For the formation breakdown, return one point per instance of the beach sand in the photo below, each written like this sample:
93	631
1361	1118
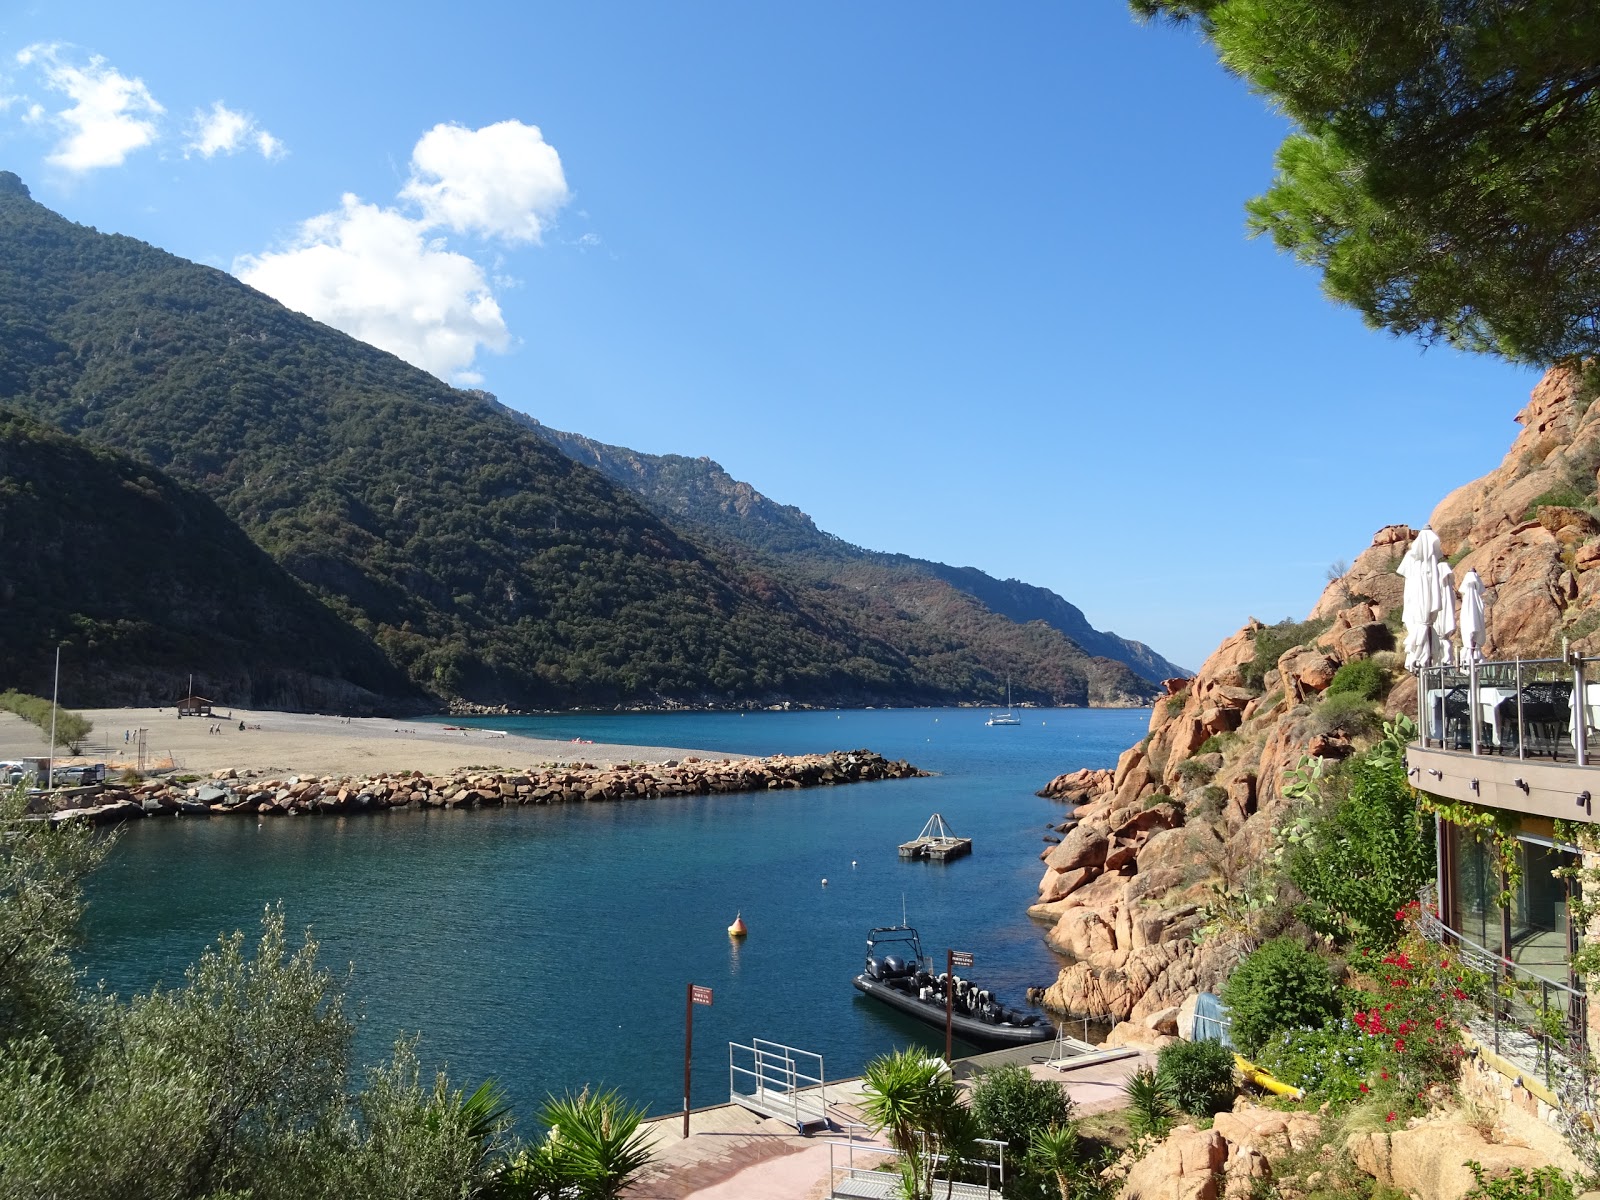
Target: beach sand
277	743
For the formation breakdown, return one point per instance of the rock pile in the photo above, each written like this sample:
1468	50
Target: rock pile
1230	1159
231	791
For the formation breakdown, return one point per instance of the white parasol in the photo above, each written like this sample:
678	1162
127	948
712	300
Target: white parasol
1444	621
1420	568
1473	626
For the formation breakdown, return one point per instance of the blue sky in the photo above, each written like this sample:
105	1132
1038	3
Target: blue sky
963	282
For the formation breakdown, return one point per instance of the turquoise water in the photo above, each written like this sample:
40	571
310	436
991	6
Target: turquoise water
550	947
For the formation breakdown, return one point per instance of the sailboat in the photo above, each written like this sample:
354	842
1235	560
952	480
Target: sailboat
1008	717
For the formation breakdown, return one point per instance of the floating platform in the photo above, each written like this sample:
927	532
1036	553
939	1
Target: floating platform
936	842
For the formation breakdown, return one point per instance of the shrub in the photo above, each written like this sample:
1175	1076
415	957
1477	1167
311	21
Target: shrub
1012	1106
1364	861
1280	986
1542	1183
1346	712
1363	678
1564	496
1175	703
70	728
1213	798
1199	1076
1150	1110
1192	771
1218	743
1271	641
1333	1062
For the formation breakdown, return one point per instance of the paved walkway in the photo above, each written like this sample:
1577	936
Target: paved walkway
733	1154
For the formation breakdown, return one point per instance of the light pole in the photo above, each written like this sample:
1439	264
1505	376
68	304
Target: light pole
55	696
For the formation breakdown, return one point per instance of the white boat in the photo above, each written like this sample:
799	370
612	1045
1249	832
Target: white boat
1008	717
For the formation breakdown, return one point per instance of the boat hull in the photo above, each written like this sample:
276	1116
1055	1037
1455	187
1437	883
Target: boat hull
968	1029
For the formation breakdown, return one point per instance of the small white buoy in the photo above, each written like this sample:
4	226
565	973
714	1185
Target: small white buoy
824	881
852	862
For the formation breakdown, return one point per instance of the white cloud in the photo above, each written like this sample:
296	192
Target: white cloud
111	114
383	275
503	180
222	130
374	273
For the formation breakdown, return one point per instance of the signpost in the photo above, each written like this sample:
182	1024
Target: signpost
953	959
695	995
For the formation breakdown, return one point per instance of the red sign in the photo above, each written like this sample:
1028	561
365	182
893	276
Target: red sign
960	958
700	995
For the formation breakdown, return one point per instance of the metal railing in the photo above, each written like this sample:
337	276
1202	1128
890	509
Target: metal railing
778	1081
850	1180
1522	707
1548	1035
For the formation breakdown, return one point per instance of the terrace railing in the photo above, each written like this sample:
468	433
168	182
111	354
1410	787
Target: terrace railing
1545	708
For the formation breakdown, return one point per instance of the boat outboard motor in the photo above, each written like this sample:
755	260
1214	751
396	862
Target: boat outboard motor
874	969
893	967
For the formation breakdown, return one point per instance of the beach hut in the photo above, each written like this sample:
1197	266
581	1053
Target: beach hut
194	706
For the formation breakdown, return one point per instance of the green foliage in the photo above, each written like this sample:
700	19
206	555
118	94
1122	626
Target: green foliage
1192	771
1362	677
1271	642
913	1101
1442	163
1217	743
1565	496
1282	985
1541	1183
1213	799
1346	712
1011	1106
594	1148
167	586
1197	1075
1151	1112
70	728
1331	1061
1364	860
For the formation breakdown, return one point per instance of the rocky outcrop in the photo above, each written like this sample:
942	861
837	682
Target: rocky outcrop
1185	1166
1194	804
1428	1160
239	792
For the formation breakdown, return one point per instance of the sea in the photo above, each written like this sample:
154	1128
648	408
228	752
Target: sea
550	948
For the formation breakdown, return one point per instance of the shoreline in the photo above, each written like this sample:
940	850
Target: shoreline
306	744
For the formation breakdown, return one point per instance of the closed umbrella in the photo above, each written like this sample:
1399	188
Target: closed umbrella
1444	621
1473	627
1420	568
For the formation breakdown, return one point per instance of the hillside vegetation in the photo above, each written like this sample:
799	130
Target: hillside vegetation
481	561
142	581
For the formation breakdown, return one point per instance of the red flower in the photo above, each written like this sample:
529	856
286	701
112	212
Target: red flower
1390	1117
1438	1022
1400	1045
1385	1074
1365	1088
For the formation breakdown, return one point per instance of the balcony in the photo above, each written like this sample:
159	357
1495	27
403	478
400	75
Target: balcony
1514	735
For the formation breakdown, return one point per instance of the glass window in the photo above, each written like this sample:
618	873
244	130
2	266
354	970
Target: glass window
1540	932
1475	886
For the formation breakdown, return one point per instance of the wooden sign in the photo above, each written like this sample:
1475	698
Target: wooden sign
960	958
700	995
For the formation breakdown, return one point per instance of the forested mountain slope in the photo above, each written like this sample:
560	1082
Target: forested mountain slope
698	493
483	562
142	581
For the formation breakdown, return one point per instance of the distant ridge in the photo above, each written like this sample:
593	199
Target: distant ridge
701	492
484	563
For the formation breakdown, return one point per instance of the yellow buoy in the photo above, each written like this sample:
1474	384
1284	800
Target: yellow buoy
737	929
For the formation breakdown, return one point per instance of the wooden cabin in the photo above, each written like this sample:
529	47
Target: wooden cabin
194	706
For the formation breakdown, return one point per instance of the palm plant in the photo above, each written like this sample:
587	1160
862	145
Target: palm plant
595	1141
1055	1152
1150	1108
913	1101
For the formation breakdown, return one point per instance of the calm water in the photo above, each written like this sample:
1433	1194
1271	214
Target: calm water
550	947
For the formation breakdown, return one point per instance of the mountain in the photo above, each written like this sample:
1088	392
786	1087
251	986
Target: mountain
483	562
697	493
142	581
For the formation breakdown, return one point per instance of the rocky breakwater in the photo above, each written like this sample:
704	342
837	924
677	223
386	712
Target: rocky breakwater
1162	848
232	791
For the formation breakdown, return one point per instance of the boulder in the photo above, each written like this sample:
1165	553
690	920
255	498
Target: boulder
1429	1160
1085	846
1185	1166
1058	885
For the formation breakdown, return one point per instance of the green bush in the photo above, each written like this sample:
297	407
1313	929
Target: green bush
1346	712
1213	798
70	728
1218	743
1364	861
1280	986
1192	771
1331	1062
1565	496
1271	641
1150	1108
1363	678
1542	1183
1199	1076
1012	1106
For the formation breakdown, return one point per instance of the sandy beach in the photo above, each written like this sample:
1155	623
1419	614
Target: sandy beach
277	743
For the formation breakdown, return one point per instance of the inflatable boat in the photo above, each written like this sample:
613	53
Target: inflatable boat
898	975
